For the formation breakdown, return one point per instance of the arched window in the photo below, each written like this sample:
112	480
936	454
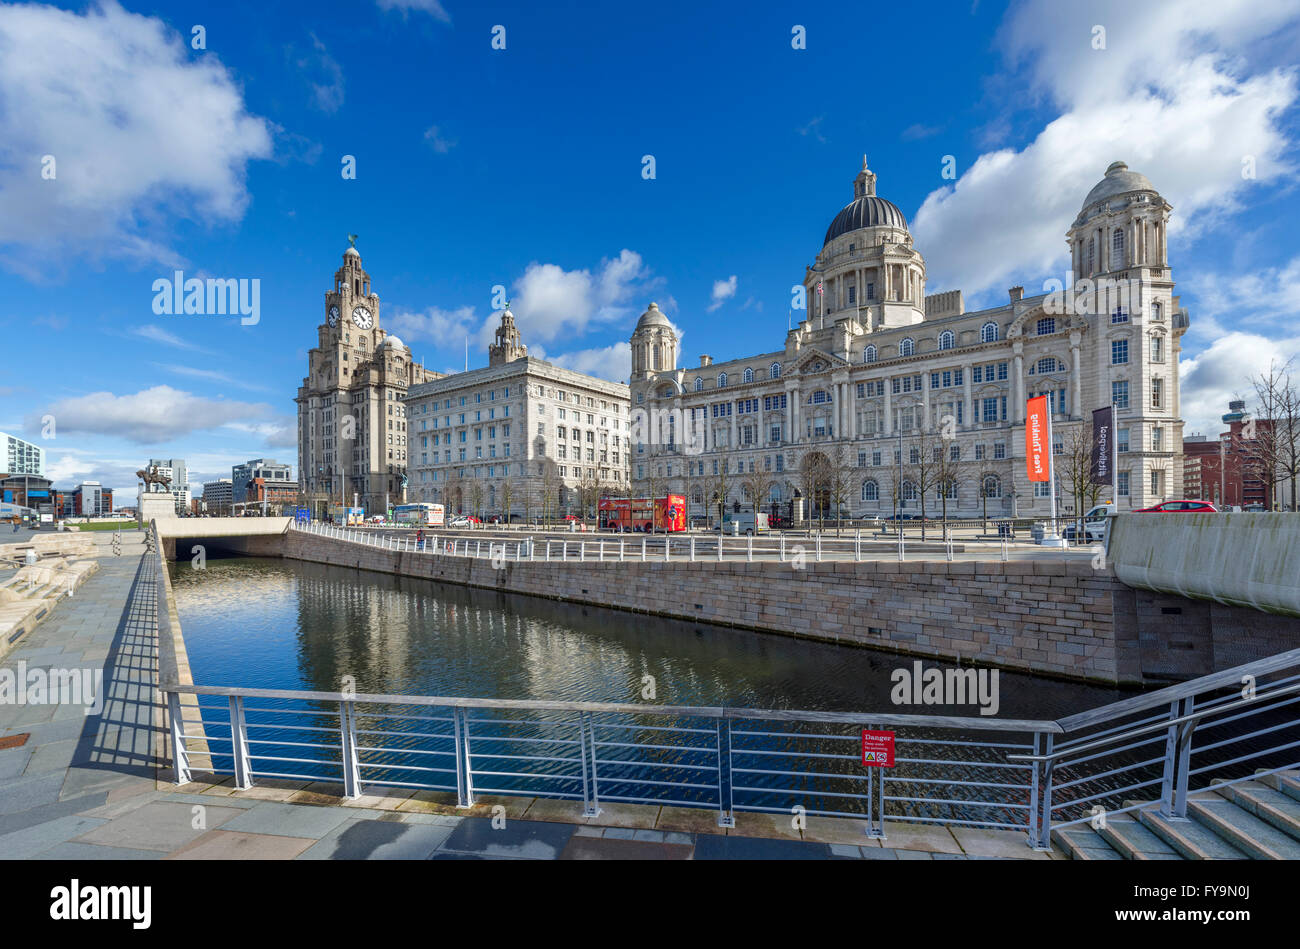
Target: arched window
697	496
946	339
907	347
654	358
989	333
775	493
722	380
749	375
946	489
699	384
909	491
1046	326
820	396
869	354
1117	248
775	370
1049	364
992	487
1156	312
870	490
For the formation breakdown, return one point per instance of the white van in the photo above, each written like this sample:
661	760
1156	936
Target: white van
1095	524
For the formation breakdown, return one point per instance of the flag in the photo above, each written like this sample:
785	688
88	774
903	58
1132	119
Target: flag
1037	434
1103	434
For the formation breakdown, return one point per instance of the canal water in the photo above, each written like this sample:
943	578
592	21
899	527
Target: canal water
286	624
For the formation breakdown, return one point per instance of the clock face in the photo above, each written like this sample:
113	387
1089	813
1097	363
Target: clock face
361	316
334	316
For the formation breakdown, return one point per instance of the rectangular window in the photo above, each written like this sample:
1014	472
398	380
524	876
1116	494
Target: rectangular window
1155	483
1121	439
999	450
1118	352
1123	483
1157	439
1119	315
1157	392
1157	349
990	410
1119	394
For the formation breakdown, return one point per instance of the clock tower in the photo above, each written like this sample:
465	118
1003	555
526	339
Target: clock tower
352	428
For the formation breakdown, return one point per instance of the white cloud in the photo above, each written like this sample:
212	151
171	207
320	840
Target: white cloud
431	7
609	362
324	76
157	334
438	140
723	290
148	417
1173	110
1222	372
551	302
139	131
1260	300
211	375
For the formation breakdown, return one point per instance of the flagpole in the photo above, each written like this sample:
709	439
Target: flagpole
1114	453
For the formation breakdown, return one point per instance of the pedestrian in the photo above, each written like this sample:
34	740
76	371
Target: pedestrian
419	539
16	521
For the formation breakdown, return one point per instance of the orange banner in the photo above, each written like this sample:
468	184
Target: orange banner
1037	422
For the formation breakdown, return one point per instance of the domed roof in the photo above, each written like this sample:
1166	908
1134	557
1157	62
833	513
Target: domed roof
351	252
867	209
653	317
392	342
1118	180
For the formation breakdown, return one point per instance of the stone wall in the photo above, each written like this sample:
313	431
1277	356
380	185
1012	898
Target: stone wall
1048	616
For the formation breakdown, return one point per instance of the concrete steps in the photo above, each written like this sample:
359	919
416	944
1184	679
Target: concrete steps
1133	841
1268	804
1249	820
1192	839
1241	829
1288	782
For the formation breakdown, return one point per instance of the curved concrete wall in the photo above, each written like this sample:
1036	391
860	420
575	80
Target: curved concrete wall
1238	559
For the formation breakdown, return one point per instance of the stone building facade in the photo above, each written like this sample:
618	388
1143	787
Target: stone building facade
519	437
906	396
352	438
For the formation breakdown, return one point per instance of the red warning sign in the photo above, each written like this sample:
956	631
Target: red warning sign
877	749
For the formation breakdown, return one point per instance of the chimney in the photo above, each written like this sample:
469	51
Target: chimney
706	361
1017	294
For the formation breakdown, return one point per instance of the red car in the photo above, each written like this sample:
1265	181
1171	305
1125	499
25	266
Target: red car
1179	507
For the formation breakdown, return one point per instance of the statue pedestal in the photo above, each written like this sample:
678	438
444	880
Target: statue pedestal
151	505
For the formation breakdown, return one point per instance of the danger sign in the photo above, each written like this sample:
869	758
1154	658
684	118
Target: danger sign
877	749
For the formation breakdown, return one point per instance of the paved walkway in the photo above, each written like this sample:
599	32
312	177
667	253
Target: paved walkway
93	786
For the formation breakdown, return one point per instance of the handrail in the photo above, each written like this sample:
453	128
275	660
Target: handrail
722	712
1181	690
1161	726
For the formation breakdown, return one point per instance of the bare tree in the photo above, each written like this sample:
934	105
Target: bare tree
1074	467
1269	444
476	498
507	495
840	482
757	484
720	485
950	476
923	463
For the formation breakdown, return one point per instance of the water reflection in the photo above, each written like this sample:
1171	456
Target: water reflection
285	624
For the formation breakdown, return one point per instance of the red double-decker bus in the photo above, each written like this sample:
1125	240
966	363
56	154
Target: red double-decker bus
643	514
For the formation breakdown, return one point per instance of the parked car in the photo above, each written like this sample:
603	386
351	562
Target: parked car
1095	524
496	519
1179	507
460	520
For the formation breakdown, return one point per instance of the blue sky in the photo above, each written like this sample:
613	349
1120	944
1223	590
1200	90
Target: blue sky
523	167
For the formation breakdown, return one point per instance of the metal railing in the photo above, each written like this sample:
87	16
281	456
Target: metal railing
856	545
1027	775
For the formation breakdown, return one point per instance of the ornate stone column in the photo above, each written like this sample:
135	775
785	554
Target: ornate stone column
1018	412
889	408
1076	387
